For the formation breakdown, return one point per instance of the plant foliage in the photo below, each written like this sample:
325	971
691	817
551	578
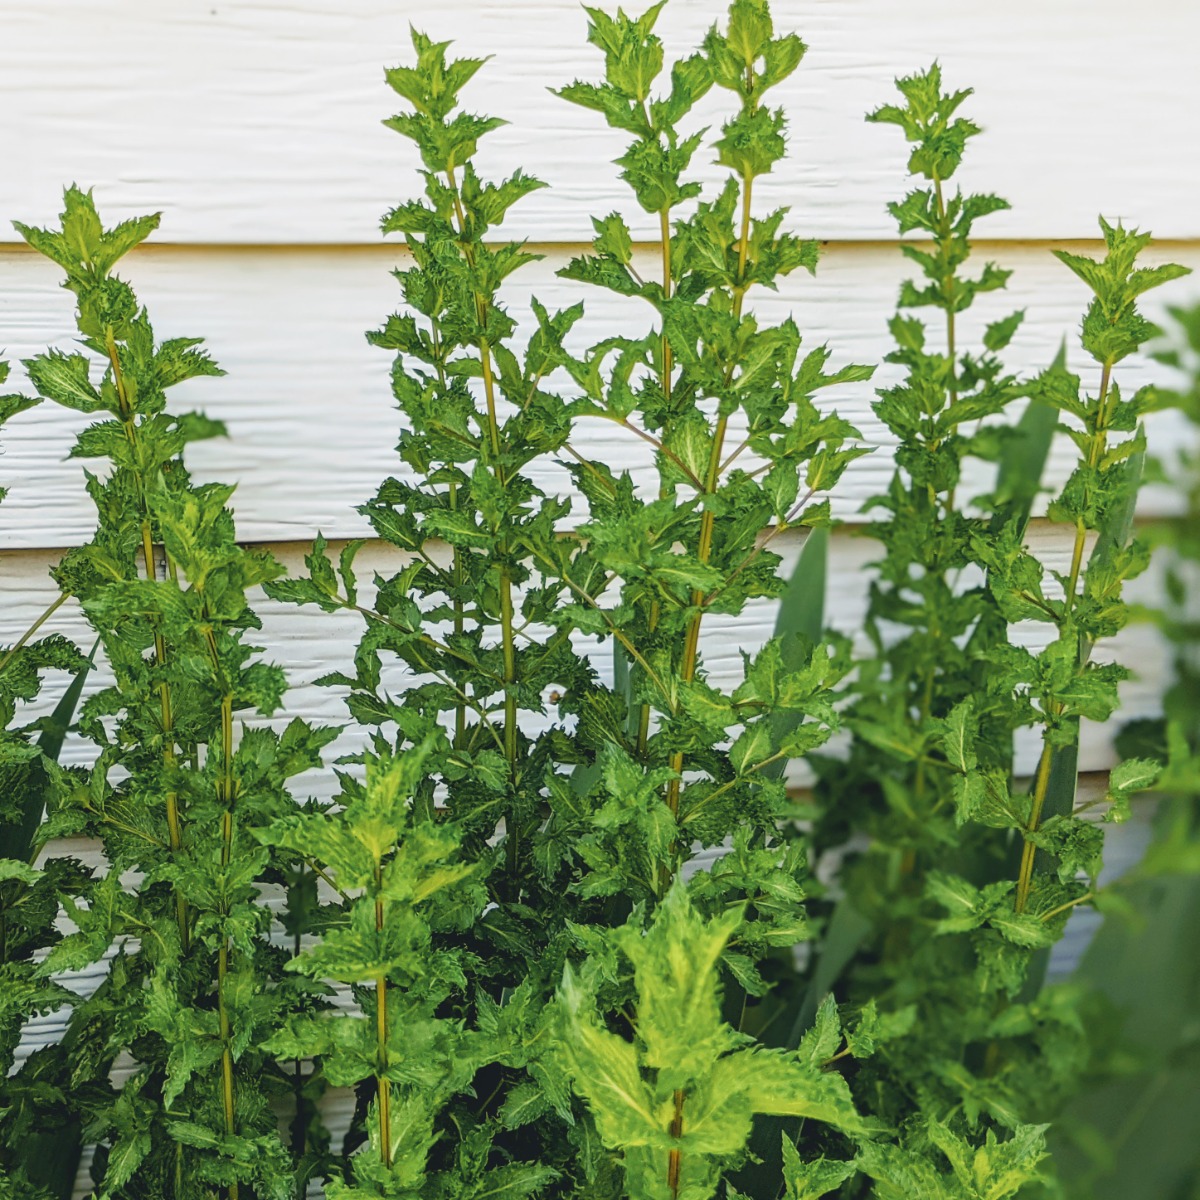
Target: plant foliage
566	930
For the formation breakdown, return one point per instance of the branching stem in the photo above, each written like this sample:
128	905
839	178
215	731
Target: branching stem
382	1084
712	481
508	643
1096	447
48	612
174	817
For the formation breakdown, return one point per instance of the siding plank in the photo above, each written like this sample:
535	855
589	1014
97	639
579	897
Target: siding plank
258	121
309	407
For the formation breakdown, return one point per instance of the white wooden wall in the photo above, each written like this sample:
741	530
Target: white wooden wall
254	125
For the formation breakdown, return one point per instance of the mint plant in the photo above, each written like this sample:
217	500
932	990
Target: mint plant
1140	1085
474	627
932	735
1098	498
497	937
39	1144
176	790
393	866
599	818
969	879
680	1097
711	373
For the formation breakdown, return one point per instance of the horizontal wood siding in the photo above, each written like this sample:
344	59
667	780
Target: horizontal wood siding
308	403
257	121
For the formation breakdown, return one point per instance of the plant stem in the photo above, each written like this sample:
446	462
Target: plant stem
662	449
667	366
512	848
664	224
1096	448
720	791
460	709
50	610
227	799
227	1095
674	1157
299	1118
620	636
382	1085
944	239
926	702
771	534
174	822
424	639
1062	908
707	518
1029	850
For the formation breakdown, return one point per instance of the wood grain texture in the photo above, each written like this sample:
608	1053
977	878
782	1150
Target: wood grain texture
258	121
308	403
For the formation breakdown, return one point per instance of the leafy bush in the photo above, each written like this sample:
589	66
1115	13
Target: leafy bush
566	931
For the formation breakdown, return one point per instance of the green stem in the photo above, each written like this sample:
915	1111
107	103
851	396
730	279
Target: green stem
620	636
926	701
707	518
661	448
174	817
665	381
50	610
944	240
227	1094
382	1086
226	798
1029	850
1062	908
456	604
675	1157
664	225
512	848
720	791
1096	448
300	1116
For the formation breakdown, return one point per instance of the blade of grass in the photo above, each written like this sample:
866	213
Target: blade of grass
623	686
801	611
1023	458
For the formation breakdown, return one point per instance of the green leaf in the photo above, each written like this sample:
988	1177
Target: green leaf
604	1069
812	1180
16	840
65	379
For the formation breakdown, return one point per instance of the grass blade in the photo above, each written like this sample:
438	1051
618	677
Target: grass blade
623	685
801	611
802	605
1023	457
